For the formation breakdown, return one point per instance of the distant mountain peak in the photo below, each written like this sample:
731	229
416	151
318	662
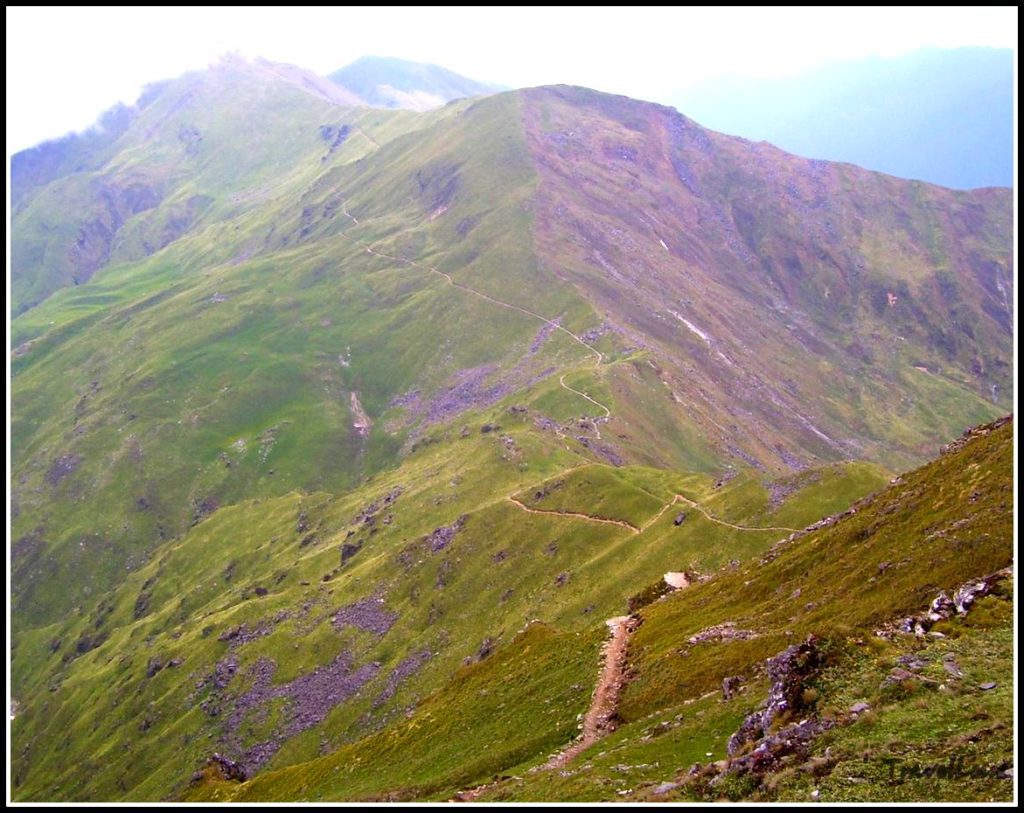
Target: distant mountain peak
399	83
301	78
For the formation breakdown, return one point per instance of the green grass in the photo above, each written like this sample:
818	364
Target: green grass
503	569
498	711
898	753
834	579
688	723
216	370
602	492
643	753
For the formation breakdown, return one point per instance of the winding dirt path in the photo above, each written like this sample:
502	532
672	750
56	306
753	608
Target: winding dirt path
697	506
607	412
659	515
599	359
368	137
678	498
599	356
600	717
587	517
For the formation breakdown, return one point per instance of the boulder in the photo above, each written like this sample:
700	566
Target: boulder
941	607
730	686
228	768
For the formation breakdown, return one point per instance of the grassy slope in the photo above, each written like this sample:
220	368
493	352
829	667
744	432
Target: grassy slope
893	755
889	755
668	721
499	572
492	715
603	492
966	496
837	573
255	358
258	325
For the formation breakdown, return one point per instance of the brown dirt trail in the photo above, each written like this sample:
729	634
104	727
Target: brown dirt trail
600	717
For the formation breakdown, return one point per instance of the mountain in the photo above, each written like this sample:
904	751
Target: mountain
944	116
398	83
199	132
315	407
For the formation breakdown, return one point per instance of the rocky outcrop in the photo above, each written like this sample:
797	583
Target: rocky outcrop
227	769
756	750
367	514
61	468
369	614
731	686
408	667
973	433
792	741
116	200
943	607
789	672
726	631
442	537
334	136
967	594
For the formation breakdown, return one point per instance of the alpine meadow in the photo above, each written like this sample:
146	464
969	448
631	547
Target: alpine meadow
393	436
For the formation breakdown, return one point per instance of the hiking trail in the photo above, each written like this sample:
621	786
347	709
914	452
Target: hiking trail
599	719
487	297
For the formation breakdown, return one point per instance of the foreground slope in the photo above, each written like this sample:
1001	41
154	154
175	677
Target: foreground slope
280	628
941	526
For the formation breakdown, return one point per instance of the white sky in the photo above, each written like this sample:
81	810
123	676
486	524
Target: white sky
65	66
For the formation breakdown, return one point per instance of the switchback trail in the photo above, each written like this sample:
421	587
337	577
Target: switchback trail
487	297
697	506
599	359
607	413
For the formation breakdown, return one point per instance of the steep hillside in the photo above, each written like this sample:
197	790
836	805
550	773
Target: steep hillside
199	149
356	606
786	301
344	398
277	351
919	700
398	83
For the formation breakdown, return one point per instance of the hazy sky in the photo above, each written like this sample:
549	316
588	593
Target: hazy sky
65	66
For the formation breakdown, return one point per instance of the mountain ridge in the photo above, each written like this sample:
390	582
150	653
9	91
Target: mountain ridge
349	396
